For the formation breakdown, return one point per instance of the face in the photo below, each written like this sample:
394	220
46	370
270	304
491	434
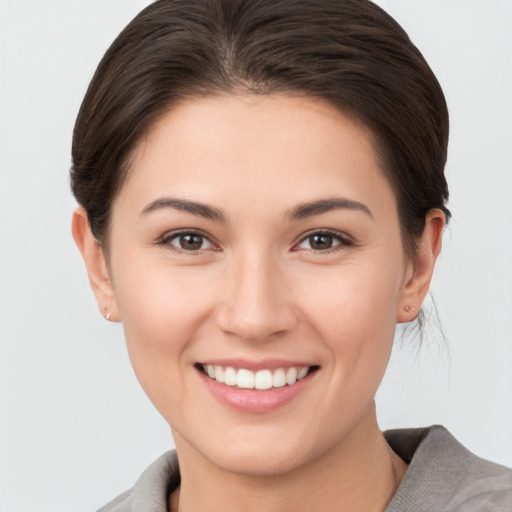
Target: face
257	242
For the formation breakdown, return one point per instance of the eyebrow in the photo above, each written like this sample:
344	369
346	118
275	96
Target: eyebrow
301	211
326	205
199	209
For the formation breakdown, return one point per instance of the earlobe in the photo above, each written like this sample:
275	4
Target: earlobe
95	262
421	267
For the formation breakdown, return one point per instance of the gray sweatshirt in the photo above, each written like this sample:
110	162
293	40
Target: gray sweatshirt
443	476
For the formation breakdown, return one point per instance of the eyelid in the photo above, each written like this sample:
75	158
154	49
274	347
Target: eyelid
344	239
168	236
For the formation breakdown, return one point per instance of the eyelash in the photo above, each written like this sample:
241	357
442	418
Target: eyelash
343	241
169	237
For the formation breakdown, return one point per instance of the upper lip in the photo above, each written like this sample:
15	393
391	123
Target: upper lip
265	364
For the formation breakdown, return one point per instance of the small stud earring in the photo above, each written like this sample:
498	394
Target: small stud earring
107	316
408	309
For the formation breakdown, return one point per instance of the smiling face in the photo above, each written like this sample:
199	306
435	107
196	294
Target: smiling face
257	265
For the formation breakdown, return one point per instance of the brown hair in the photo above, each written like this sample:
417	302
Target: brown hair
348	52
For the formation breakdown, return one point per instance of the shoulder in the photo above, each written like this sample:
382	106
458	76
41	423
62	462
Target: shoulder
444	475
151	491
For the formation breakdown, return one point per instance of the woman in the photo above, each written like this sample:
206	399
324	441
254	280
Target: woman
262	200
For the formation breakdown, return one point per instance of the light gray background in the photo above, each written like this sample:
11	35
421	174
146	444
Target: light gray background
75	428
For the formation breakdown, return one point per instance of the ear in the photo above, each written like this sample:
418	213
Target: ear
421	267
96	264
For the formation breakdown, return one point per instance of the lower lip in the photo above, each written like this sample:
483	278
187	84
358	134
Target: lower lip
252	400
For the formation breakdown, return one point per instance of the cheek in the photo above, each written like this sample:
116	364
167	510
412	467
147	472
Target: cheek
160	311
360	299
155	297
354	313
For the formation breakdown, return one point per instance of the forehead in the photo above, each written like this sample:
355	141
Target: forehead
248	145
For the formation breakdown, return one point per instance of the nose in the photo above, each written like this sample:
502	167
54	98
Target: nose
257	302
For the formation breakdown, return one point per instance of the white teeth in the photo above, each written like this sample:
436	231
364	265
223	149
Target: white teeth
291	376
262	379
279	378
230	377
219	374
245	379
302	373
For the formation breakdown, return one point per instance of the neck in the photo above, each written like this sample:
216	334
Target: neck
361	473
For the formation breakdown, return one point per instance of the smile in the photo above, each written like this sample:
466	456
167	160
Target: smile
264	379
266	387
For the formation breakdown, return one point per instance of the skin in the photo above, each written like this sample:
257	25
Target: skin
257	289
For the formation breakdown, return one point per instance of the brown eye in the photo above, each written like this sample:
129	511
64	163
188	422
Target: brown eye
320	242
324	241
188	242
191	242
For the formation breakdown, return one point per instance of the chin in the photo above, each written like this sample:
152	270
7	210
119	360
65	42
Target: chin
260	453
258	461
